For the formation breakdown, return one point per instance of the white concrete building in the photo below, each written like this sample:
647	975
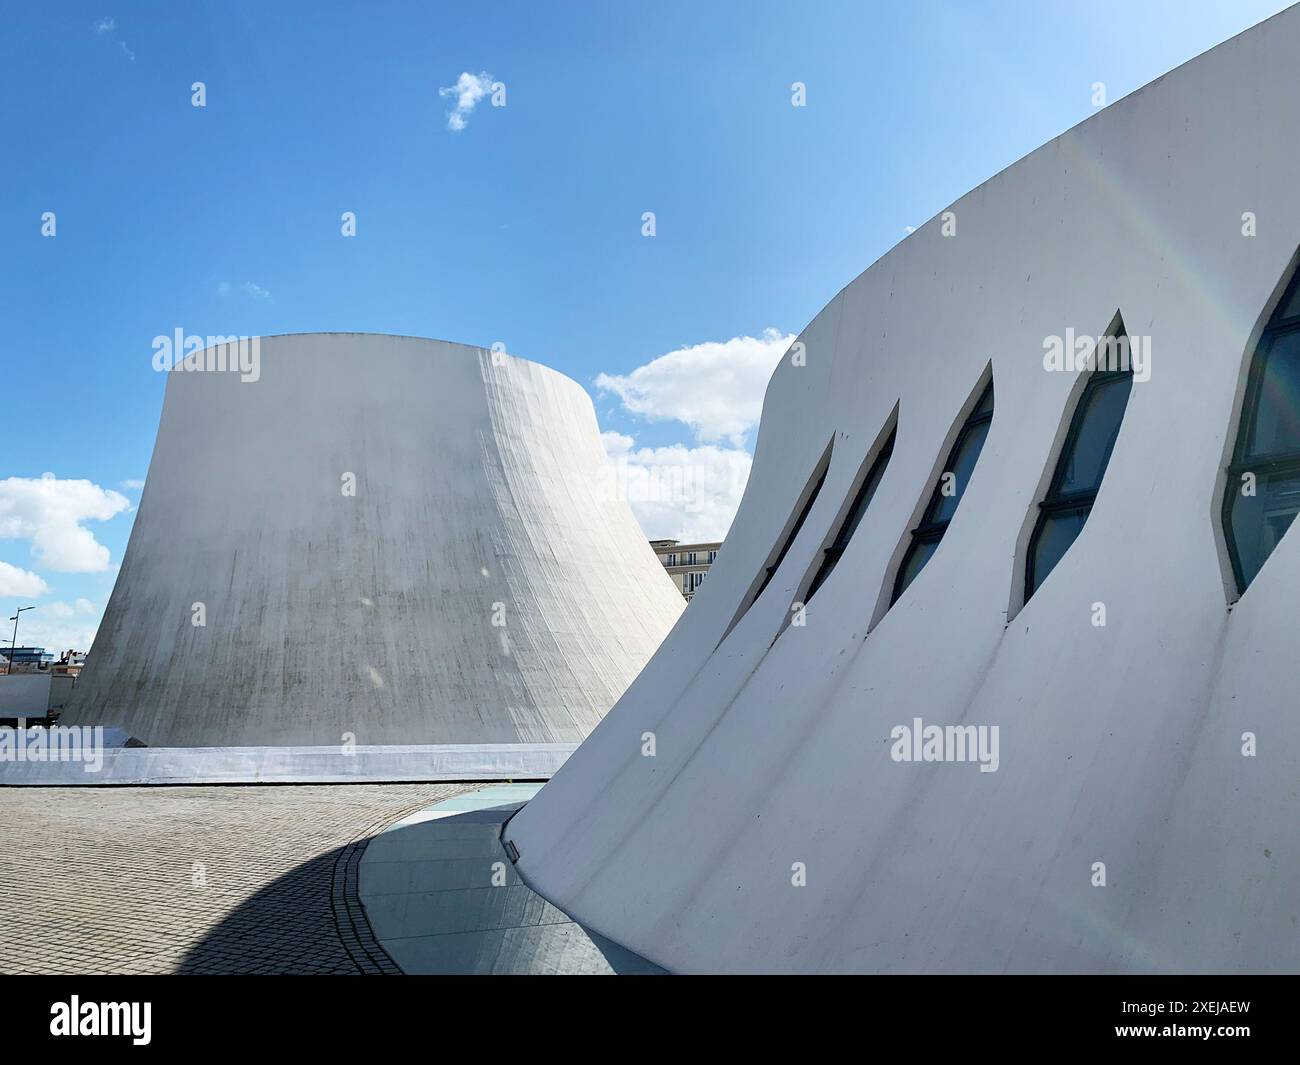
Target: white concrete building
746	805
398	540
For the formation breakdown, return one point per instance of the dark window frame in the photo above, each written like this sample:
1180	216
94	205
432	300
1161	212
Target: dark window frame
928	531
1057	503
1263	466
791	536
854	515
808	495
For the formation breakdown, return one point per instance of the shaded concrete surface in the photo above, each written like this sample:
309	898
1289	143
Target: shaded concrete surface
442	897
192	879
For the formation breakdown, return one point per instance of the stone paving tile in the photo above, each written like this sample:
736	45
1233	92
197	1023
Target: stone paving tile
193	879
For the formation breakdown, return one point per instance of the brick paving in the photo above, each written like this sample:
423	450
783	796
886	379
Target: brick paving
193	879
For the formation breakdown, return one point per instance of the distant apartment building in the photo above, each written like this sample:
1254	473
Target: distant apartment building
25	659
686	563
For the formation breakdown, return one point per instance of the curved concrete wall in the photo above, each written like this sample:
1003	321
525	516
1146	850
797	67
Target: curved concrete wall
1119	744
484	584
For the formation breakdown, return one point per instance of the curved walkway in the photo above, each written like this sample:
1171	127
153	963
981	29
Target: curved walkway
443	897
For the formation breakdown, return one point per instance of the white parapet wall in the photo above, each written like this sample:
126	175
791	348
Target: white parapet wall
64	757
25	695
374	540
741	808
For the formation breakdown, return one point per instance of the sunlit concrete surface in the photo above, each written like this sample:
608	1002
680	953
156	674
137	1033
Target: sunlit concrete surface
442	897
192	880
484	583
770	829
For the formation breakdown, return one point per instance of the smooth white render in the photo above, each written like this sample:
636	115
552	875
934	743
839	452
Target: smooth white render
485	584
1119	744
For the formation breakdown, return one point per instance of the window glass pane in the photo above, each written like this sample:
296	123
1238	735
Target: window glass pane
1276	424
1259	521
917	556
1097	425
962	464
1055	534
1290	305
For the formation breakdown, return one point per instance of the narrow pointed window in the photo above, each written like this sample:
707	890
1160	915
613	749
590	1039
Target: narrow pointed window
947	493
1083	460
1263	490
794	531
831	555
807	498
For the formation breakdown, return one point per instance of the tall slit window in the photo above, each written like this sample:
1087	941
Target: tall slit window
809	496
1263	490
831	555
794	532
947	493
1083	461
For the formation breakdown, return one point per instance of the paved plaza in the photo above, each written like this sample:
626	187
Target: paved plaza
193	879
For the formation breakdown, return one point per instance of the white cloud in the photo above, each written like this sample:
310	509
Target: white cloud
716	387
132	482
679	492
108	25
60	626
468	91
77	608
50	513
20	583
248	288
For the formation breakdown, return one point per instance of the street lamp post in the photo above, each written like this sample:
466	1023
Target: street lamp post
13	646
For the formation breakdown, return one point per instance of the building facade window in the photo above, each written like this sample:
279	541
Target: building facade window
1081	466
1262	495
713	557
867	489
671	560
947	493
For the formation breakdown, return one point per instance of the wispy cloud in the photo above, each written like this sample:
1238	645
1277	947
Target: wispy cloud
248	288
132	482
716	387
60	626
107	27
468	91
684	493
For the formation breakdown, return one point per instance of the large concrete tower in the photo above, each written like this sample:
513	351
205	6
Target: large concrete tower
1141	811
408	541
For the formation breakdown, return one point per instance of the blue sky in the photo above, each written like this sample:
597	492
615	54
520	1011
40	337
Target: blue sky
523	227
